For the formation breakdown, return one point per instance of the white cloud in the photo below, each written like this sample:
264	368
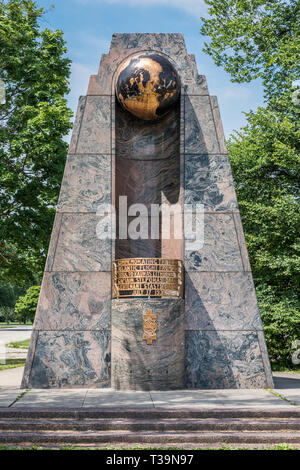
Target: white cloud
194	7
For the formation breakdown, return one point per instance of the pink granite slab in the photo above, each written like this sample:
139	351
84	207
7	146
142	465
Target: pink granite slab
221	301
74	301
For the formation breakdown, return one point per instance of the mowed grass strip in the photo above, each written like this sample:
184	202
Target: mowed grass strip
12	364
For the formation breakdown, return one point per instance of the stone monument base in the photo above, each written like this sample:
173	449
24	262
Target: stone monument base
139	363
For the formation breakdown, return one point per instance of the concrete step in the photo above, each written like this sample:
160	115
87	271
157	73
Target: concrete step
160	425
148	413
109	438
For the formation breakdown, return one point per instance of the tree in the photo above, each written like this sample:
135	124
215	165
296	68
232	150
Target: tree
8	297
26	306
256	39
266	168
252	39
33	121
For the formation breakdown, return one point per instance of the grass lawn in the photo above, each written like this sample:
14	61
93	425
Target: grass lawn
19	344
10	325
12	364
282	446
286	369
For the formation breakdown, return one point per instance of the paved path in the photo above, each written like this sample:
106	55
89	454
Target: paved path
15	353
11	378
9	335
19	333
286	395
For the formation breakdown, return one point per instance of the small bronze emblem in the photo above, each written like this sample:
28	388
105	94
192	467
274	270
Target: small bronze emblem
149	326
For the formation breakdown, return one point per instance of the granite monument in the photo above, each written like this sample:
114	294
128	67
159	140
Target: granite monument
148	312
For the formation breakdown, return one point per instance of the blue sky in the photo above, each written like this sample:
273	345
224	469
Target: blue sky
89	24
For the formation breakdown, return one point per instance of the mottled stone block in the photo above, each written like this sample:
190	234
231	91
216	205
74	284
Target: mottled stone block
171	43
96	87
242	242
71	359
224	359
95	132
53	241
220	251
137	365
138	249
220	301
114	104
149	182
29	359
155	141
74	301
265	359
208	180
158	237
200	131
218	123
182	135
102	83
86	183
196	86
77	124
78	246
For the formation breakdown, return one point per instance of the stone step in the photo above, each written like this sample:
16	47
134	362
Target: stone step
149	413
160	425
110	438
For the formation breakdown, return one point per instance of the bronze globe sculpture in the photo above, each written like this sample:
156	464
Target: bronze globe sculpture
147	85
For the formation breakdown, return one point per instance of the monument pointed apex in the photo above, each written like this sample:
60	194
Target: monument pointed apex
125	44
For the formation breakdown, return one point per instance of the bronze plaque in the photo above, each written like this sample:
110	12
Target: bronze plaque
147	277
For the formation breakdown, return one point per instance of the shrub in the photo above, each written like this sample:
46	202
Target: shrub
281	320
26	305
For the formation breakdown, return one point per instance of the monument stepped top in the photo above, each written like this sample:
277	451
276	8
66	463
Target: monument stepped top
168	42
133	40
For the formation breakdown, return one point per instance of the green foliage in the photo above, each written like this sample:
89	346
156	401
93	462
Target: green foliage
26	306
12	364
33	121
20	344
7	314
281	319
266	167
255	39
8	297
251	39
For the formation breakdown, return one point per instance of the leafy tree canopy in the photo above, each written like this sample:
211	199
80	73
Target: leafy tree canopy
33	121
256	39
260	39
265	162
